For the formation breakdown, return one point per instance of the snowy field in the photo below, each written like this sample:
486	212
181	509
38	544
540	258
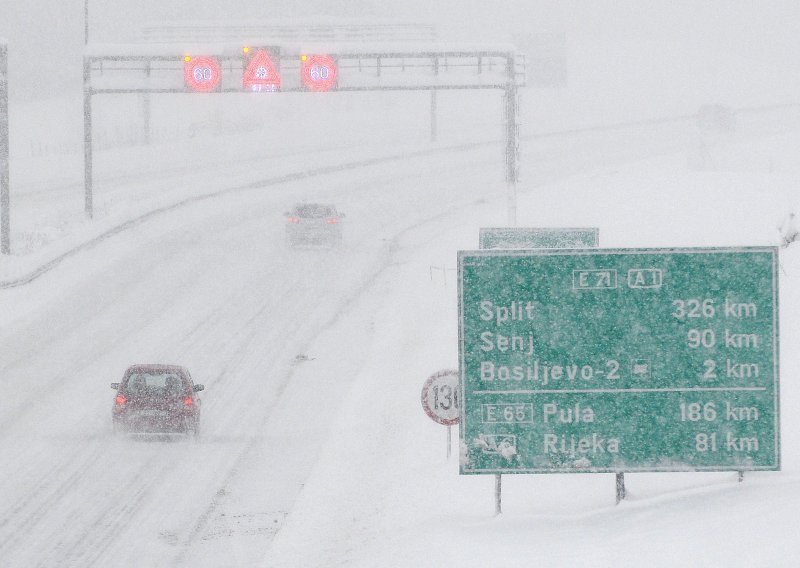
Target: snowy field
417	512
315	449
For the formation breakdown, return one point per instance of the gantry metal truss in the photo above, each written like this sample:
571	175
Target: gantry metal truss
109	70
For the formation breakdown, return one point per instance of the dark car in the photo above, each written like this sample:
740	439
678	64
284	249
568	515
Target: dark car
159	399
314	224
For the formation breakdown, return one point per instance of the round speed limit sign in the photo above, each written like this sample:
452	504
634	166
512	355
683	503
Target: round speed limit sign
441	397
202	74
319	72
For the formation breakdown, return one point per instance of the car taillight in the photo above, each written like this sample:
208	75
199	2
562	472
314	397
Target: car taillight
188	401
293	219
332	221
120	400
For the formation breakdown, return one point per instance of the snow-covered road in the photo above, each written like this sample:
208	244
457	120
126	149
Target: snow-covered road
211	285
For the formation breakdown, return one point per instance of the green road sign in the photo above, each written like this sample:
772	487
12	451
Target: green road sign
613	360
536	237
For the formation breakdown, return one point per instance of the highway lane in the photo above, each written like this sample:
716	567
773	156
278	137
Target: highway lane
212	286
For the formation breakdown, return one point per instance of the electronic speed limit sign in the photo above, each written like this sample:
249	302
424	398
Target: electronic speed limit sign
202	74
319	72
440	397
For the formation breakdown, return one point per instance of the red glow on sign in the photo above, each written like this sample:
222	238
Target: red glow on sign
261	73
202	74
319	72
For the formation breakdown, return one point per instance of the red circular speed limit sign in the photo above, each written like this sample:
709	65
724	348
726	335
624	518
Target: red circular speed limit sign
319	72
441	397
202	74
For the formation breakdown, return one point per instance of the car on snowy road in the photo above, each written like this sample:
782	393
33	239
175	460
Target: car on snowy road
314	224
157	399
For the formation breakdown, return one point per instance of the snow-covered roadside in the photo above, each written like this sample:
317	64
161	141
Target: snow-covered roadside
134	179
21	270
398	486
383	492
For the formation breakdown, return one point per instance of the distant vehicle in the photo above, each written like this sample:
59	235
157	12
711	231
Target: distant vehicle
314	224
158	399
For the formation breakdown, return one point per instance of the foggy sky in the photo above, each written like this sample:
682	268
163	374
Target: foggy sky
739	40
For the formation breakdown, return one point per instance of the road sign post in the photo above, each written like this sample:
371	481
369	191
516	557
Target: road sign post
88	161
512	140
5	199
440	400
619	360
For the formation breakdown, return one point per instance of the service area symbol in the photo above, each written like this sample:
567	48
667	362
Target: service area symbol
441	397
319	72
202	74
261	73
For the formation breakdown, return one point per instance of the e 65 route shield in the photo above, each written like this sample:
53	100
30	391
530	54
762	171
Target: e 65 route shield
619	360
440	397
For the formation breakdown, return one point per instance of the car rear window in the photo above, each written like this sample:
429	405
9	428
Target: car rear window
155	383
314	210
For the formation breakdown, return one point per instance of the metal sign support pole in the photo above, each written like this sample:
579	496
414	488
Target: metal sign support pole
449	440
498	488
87	136
433	115
741	476
512	145
170	62
85	22
146	109
620	487
5	245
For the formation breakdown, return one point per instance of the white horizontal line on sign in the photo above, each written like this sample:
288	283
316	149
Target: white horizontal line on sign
579	391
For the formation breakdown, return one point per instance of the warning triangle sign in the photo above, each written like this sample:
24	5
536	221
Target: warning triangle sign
261	73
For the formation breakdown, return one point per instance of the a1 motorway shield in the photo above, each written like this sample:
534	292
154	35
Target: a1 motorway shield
589	360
